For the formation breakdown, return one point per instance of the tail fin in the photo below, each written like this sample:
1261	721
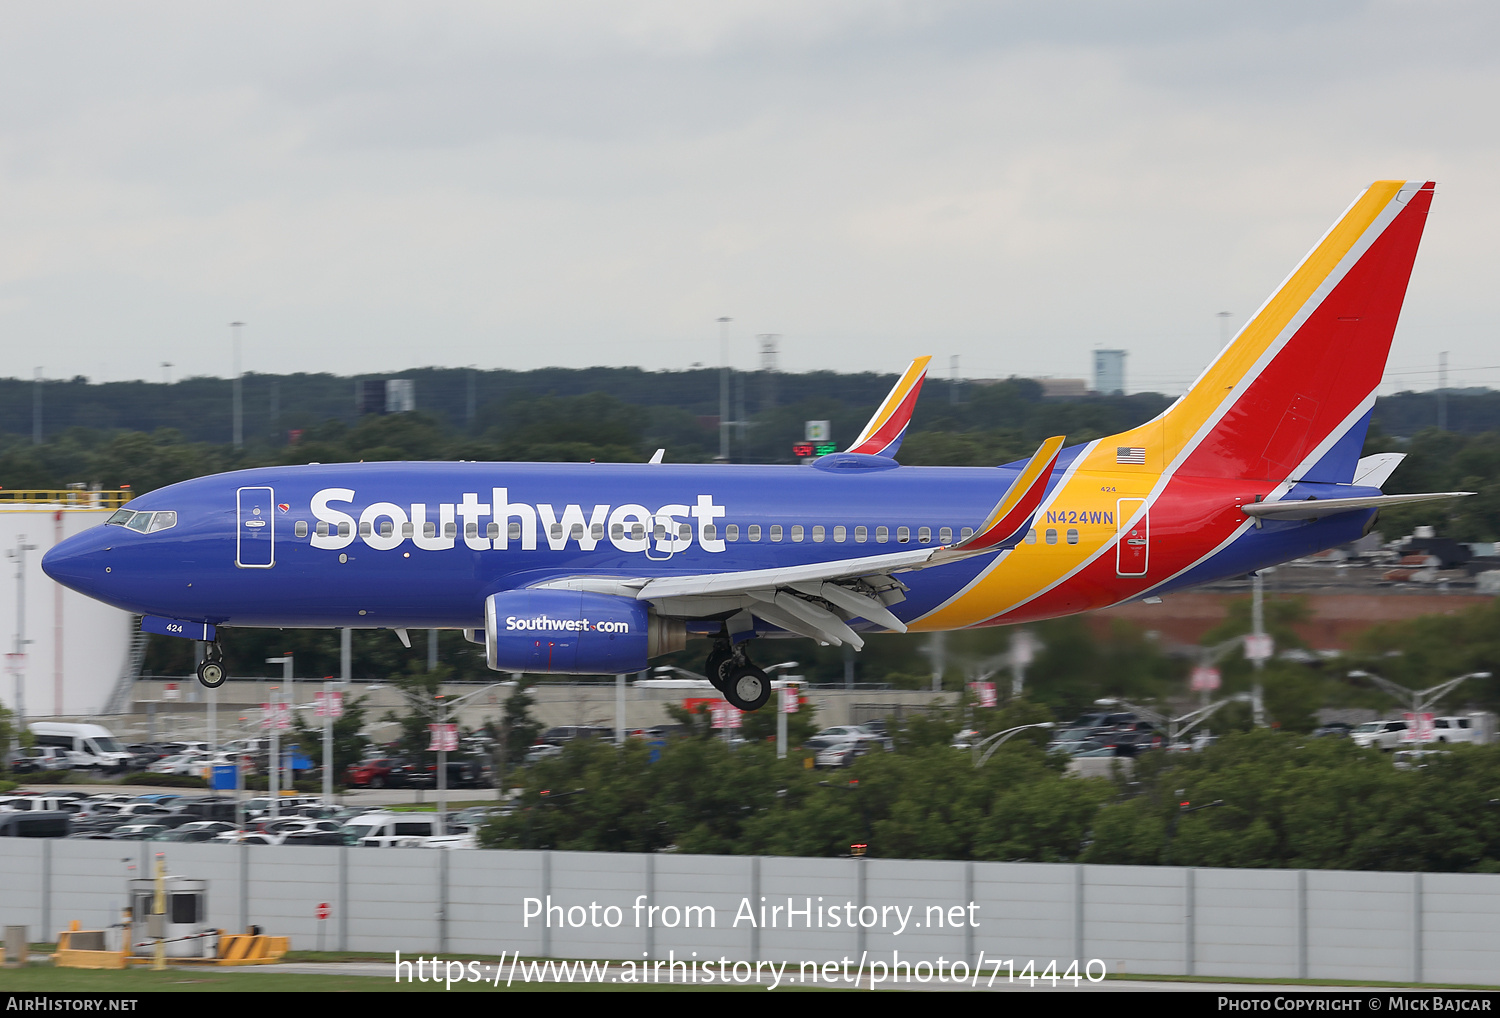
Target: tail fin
1290	397
882	436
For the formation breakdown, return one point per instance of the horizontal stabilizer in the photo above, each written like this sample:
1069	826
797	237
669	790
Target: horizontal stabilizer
882	436
1316	508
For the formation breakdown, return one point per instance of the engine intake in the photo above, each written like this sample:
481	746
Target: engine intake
574	632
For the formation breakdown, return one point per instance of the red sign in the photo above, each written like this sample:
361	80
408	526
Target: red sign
984	693
1205	677
726	715
803	449
322	912
275	715
444	738
329	705
790	699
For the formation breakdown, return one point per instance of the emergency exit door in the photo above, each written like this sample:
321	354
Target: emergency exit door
255	528
1132	549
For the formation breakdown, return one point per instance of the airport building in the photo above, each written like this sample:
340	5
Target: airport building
1109	372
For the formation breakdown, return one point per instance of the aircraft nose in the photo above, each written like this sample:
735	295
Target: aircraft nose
77	563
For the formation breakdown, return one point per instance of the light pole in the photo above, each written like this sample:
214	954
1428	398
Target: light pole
781	712
18	659
724	389
441	715
275	761
998	739
1419	700
1177	727
239	427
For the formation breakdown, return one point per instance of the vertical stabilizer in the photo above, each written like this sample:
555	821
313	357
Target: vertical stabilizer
1291	396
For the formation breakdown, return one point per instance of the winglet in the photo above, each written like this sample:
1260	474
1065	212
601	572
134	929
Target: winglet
882	436
1010	519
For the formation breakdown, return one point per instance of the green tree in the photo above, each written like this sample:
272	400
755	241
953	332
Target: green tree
348	744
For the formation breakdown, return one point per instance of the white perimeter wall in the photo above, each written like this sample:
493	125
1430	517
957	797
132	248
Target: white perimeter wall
75	655
1318	924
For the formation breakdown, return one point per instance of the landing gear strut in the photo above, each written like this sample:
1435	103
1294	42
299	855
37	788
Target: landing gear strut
211	668
732	673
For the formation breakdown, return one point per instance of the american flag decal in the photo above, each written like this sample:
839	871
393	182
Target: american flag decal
1131	454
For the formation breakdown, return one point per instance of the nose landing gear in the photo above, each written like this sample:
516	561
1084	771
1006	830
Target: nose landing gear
211	668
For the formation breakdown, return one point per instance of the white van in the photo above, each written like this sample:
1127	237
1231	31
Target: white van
393	830
87	746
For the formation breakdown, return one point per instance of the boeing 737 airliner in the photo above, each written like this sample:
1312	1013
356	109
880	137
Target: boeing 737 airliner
595	568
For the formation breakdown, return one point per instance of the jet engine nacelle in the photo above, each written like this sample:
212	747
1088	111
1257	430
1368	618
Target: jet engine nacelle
574	632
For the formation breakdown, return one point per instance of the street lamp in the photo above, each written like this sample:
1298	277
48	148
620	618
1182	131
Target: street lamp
1419	700
999	738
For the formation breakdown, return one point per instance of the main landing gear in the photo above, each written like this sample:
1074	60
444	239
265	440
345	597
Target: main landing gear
211	668
743	685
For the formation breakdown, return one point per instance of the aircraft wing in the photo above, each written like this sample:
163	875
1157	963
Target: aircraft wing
817	599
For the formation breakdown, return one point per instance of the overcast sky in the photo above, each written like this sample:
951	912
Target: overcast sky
379	186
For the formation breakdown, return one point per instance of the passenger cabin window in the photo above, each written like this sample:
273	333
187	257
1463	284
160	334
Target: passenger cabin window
471	530
861	535
903	534
345	530
513	532
1051	536
322	528
753	532
1031	536
1072	536
925	535
839	533
882	535
732	532
492	530
818	534
710	532
776	531
450	529
365	530
968	533
684	532
429	529
300	529
616	531
596	530
945	535
797	533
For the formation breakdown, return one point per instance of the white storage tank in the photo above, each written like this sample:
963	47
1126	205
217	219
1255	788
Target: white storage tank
78	647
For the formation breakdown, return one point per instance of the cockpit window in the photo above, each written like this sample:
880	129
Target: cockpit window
144	523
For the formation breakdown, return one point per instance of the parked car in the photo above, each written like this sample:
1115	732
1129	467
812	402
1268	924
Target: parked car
1383	735
37	759
387	772
1454	729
